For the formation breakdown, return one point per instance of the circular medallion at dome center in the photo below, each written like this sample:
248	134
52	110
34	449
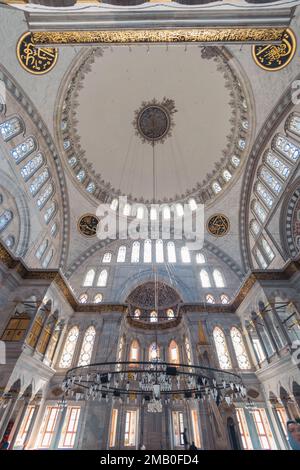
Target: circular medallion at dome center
153	122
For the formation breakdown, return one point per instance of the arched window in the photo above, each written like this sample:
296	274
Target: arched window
267	249
153	317
218	278
188	350
210	299
135	252
170	314
106	258
45	196
159	251
259	211
265	195
69	348
173	353
166	213
147	251
5	218
254	227
48	258
171	252
200	258
216	187
91	187
24	149
204	278
11	128
221	347
87	347
272	182
227	175
50	211
185	255
260	259
127	210
134	354
121	254
41	249
32	166
98	298
235	161
89	278
179	210
102	279
72	161
153	213
140	212
287	148
294	124
239	348
137	313
83	298
192	204
39	182
153	352
81	175
114	204
10	241
53	230
224	299
67	144
277	164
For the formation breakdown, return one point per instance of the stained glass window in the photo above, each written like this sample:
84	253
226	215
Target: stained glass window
72	161
280	167
134	351
50	211
170	314
153	317
69	348
45	196
204	277
11	128
159	251
121	254
239	348
47	259
261	260
102	279
235	160
67	144
91	187
216	187
210	299
153	352
171	252
83	298
106	258
255	227
135	252
242	144
24	149
227	175
200	258
10	241
218	278
270	180
147	251
259	210
41	249
287	148
267	249
89	278
137	313
98	298
294	124
265	195
5	218
80	175
221	347
224	299
39	181
87	347
173	352
32	166
185	255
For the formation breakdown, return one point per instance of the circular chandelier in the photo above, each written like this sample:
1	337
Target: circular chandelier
153	383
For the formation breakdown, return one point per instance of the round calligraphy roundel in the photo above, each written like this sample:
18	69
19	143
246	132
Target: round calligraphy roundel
36	60
273	57
218	225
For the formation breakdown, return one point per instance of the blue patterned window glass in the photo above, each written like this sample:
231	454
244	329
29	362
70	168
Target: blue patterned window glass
72	161
287	148
39	182
270	180
265	195
260	211
80	176
50	211
45	196
67	144
216	187
5	218
24	149
10	128
281	168
91	187
294	124
32	166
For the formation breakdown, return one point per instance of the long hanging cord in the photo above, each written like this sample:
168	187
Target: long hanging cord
154	268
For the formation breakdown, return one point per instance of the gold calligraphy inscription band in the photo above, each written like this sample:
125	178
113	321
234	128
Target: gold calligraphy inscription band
273	57
35	60
205	35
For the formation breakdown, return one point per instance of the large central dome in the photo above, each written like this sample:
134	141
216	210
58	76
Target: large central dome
121	112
